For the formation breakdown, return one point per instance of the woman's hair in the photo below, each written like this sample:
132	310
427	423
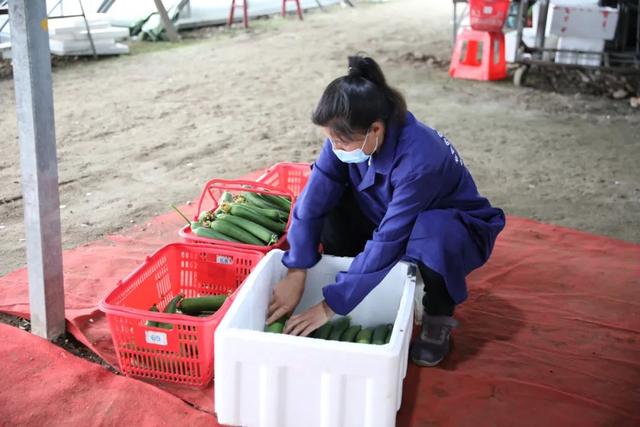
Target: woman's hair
350	104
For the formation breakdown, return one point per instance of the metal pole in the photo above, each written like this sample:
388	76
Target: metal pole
55	7
105	6
34	105
86	25
4	13
455	22
522	13
638	31
172	34
542	27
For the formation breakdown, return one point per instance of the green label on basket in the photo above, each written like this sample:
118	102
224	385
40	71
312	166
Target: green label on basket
157	338
222	259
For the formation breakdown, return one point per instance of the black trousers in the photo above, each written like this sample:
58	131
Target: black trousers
346	231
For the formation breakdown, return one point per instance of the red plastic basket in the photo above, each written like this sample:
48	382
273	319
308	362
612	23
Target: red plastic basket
209	200
488	15
184	353
289	176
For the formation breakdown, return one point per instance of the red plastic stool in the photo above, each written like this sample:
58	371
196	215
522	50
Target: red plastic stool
465	63
284	8
245	12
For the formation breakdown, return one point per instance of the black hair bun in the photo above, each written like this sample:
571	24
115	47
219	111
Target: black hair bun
367	68
357	66
351	103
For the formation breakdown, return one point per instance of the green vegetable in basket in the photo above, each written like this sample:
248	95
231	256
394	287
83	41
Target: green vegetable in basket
206	216
265	235
206	313
282	202
226	227
153	323
202	228
252	214
254	199
202	231
172	307
226	197
269	213
199	305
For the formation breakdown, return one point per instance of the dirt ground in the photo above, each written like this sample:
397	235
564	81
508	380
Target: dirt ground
139	132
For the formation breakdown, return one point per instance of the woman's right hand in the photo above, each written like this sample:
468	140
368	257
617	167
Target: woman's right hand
286	295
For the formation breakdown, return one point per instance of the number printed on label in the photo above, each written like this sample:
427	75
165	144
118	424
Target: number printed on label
221	259
157	338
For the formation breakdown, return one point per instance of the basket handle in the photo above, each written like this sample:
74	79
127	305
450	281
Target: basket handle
230	184
280	165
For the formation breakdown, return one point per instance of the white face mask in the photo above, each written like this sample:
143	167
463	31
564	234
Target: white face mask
355	156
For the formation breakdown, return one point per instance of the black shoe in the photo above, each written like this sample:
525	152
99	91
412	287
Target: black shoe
434	343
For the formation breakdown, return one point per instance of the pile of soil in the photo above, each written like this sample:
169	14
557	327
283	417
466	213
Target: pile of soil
569	81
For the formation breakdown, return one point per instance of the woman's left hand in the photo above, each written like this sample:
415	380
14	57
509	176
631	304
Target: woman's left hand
308	321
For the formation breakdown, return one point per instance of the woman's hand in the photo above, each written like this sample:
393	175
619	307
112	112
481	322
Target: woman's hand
308	321
286	295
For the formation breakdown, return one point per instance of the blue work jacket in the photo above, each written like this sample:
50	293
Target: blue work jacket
423	200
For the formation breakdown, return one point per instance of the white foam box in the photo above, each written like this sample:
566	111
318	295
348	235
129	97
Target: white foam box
81	48
582	21
535	9
276	380
74	45
75	24
5	50
586	45
529	39
113	33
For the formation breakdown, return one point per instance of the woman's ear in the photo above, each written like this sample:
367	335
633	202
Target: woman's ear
377	128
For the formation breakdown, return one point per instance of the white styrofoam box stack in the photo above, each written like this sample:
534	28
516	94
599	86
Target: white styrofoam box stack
277	380
529	39
98	34
587	45
589	22
510	46
5	50
535	10
69	36
76	47
578	25
74	24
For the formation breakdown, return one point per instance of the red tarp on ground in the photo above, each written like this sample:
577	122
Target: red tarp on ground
551	331
43	385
